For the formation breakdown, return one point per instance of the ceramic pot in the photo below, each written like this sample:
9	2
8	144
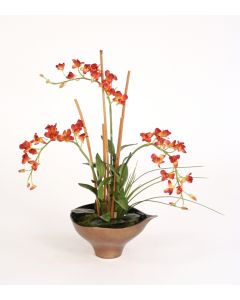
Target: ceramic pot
109	242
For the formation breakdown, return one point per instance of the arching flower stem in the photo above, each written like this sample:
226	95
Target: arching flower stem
168	168
157	197
37	160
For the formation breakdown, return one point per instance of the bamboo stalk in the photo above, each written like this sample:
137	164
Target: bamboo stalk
104	104
120	131
104	159
119	144
89	148
105	133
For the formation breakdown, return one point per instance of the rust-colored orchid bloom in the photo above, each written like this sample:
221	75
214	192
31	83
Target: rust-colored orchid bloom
158	159
187	178
106	85
34	164
25	146
109	76
52	132
60	66
178	146
86	68
179	189
77	127
147	137
37	140
32	151
120	98
66	136
82	137
166	175
95	75
71	75
93	67
25	158
169	189
76	63
174	160
161	133
164	143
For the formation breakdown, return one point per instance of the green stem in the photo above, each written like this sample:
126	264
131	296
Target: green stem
37	160
86	157
140	186
143	146
65	81
197	203
144	189
111	125
154	170
149	200
179	183
139	148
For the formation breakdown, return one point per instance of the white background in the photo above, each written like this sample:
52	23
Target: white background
185	74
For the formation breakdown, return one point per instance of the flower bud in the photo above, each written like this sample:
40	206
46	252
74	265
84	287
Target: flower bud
33	187
192	197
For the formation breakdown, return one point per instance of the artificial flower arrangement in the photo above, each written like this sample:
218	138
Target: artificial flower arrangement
114	186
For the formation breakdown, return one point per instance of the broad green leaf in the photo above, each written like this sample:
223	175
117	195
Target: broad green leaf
83	211
100	192
100	166
123	172
106	181
114	171
106	217
122	201
89	187
128	145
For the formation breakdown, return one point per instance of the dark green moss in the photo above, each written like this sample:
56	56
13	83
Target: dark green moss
86	216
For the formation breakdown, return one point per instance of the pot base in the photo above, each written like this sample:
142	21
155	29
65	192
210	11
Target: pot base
107	252
109	242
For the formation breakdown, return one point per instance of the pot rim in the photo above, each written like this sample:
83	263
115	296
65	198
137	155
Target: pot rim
148	217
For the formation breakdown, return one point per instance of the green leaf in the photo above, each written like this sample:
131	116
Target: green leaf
100	192
87	164
106	181
130	181
100	166
123	172
83	211
128	145
114	170
122	200
89	187
127	158
106	217
111	148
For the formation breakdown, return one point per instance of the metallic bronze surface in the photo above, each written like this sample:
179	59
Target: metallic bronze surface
109	242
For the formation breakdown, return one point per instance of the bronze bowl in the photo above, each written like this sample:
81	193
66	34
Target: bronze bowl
109	242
